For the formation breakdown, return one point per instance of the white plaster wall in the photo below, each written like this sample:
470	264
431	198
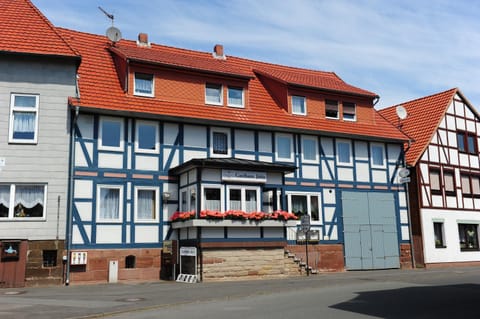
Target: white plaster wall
146	234
451	219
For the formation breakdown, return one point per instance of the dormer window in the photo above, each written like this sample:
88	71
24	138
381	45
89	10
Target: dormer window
331	109
235	96
299	105
143	84
213	94
349	111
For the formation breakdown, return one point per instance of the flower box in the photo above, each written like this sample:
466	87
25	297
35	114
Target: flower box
232	223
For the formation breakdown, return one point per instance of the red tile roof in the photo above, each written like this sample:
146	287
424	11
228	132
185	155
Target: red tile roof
100	89
424	117
24	29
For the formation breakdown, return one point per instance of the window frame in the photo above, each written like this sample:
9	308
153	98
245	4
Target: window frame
23	109
99	219
470	178
225	131
157	204
239	88
304	104
440	180
315	141
476	246
439	243
100	134
384	155
135	92
326	110
354	112
350	150
203	187
454	186
137	137
220	87
243	195
466	137
309	196
11	209
292	150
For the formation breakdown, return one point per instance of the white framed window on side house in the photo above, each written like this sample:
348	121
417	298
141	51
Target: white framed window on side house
244	198
109	203
220	142
23	201
309	149
377	154
24	118
144	84
349	111
344	152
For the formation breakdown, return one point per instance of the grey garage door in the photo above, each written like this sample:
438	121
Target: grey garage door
370	231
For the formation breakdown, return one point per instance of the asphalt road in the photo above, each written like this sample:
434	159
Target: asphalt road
447	293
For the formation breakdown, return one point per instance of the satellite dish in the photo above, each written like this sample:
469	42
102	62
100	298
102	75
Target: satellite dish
114	34
401	112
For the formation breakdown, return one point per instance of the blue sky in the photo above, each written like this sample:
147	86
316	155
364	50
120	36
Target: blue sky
401	50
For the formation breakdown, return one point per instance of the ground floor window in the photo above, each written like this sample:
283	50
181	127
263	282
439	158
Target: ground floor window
146	201
212	198
468	234
300	204
49	258
22	201
438	231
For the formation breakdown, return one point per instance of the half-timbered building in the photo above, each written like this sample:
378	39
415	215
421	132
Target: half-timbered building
218	153
445	177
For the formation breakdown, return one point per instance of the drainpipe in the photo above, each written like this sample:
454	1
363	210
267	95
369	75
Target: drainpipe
70	195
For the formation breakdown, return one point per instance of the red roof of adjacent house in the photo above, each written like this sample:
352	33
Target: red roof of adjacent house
24	29
100	88
424	117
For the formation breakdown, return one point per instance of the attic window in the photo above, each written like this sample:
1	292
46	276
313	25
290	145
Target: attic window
349	111
331	109
143	84
298	105
235	96
213	94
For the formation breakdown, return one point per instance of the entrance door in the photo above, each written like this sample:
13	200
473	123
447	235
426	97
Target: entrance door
370	231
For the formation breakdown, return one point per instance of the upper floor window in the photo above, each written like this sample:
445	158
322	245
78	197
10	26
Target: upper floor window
23	118
299	105
344	152
22	201
309	149
143	84
111	134
331	109
235	96
213	94
378	155
349	113
435	184
146	137
109	203
146	203
284	147
449	182
220	142
470	185
467	142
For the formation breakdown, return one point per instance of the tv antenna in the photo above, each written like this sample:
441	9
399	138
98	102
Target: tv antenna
113	34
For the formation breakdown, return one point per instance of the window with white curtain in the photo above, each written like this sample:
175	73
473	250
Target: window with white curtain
146	200
109	203
22	201
23	118
220	142
212	198
244	198
299	105
143	84
305	203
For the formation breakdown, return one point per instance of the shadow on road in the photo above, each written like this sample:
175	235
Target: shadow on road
455	301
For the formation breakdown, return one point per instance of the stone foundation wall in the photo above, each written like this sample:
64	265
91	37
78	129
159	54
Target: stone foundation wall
406	256
326	258
147	266
246	263
36	274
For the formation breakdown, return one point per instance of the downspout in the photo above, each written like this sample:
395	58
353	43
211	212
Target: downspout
70	195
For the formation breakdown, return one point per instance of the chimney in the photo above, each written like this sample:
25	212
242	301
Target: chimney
218	52
143	40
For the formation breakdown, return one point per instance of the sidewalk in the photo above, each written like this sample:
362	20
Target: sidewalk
94	301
